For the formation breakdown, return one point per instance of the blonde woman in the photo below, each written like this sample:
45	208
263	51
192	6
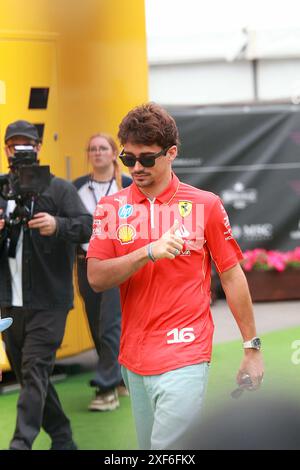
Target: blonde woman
103	309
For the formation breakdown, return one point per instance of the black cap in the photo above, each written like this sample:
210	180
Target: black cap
21	128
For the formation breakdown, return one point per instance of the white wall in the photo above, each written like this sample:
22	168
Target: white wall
201	52
279	79
208	83
224	82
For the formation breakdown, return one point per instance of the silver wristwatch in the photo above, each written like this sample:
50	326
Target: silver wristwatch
254	343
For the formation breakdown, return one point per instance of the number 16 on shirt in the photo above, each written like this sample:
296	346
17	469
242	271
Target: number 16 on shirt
185	335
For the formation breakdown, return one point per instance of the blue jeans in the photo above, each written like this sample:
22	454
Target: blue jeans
165	406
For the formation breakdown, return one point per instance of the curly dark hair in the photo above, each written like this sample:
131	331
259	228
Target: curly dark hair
149	124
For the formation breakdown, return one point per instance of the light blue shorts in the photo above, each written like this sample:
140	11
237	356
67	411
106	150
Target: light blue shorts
165	406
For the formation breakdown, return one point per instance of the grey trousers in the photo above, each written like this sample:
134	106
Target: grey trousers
31	344
103	311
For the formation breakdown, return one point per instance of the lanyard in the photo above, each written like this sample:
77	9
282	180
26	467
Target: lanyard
91	187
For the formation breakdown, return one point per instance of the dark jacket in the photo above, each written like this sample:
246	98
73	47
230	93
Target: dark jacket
47	263
82	180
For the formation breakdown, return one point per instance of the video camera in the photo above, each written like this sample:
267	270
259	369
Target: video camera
24	183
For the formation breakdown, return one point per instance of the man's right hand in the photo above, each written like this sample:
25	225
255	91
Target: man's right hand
169	245
2	221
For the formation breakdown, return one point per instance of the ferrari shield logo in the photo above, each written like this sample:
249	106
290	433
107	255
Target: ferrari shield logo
185	208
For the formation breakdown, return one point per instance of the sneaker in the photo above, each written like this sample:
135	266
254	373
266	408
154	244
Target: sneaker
122	391
105	401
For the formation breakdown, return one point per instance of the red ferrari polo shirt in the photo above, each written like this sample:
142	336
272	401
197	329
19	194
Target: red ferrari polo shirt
166	318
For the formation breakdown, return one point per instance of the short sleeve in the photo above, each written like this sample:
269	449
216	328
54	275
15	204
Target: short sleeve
101	244
223	248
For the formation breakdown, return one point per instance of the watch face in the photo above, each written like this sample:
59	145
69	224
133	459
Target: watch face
256	343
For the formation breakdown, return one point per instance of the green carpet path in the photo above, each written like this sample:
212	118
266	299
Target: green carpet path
115	430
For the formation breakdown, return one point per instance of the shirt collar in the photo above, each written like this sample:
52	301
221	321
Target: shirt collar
164	197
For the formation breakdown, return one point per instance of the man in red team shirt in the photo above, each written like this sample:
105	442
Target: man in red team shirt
156	239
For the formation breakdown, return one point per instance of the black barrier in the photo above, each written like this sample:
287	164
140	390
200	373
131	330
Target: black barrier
250	156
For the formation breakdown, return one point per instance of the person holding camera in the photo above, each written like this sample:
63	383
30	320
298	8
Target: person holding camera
103	309
38	237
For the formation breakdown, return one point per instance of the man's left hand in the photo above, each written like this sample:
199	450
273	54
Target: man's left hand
252	365
45	222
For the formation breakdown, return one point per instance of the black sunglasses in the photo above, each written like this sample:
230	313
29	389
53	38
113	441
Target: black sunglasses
146	160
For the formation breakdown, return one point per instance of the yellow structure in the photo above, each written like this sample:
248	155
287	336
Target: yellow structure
75	67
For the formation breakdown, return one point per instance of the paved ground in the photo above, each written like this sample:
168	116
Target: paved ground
269	316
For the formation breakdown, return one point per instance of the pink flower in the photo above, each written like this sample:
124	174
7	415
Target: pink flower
262	259
276	260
